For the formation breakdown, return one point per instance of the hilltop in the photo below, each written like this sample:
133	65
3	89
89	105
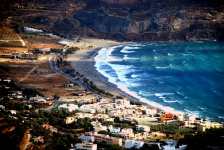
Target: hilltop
133	20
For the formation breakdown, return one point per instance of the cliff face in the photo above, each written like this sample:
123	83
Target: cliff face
141	20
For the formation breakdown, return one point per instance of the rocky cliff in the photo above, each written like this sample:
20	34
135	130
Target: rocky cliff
136	20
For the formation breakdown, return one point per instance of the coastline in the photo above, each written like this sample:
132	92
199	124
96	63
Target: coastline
83	62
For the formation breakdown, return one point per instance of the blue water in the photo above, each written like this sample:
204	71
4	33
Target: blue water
187	77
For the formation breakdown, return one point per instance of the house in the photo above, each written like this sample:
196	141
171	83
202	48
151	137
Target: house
84	115
150	112
180	117
139	136
70	120
114	130
88	110
49	127
127	133
109	119
167	117
138	112
68	107
108	139
208	125
122	102
13	112
2	107
133	143
190	118
143	128
101	116
100	127
85	146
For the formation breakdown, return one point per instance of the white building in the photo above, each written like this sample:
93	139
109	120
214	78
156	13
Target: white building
88	110
143	128
83	115
127	133
150	112
114	130
122	102
207	125
100	128
68	107
133	143
85	146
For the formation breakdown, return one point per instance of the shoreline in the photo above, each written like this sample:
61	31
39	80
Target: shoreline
83	62
88	69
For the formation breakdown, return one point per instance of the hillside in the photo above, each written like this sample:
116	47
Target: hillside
135	20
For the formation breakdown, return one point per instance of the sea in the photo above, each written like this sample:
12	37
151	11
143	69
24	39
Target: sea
186	77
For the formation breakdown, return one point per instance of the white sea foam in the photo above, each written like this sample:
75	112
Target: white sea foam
221	117
171	101
158	67
195	113
163	94
201	108
128	58
111	59
121	71
170	54
128	49
134	75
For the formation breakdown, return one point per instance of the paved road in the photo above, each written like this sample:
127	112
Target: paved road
55	69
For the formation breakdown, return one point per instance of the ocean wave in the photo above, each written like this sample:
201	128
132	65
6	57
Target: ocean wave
221	117
121	71
163	94
157	67
134	75
171	101
128	58
104	55
201	108
145	71
112	59
195	113
169	54
129	49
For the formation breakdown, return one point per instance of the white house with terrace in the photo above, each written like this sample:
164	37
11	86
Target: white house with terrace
68	107
127	133
114	130
133	143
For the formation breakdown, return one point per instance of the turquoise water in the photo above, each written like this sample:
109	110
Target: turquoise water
187	77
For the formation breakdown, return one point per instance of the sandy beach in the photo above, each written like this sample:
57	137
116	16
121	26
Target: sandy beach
83	62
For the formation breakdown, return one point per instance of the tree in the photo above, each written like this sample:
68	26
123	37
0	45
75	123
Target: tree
117	119
56	97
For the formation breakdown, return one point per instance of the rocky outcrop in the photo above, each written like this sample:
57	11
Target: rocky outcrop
141	20
102	22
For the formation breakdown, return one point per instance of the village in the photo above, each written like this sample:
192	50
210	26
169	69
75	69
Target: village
57	107
113	121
